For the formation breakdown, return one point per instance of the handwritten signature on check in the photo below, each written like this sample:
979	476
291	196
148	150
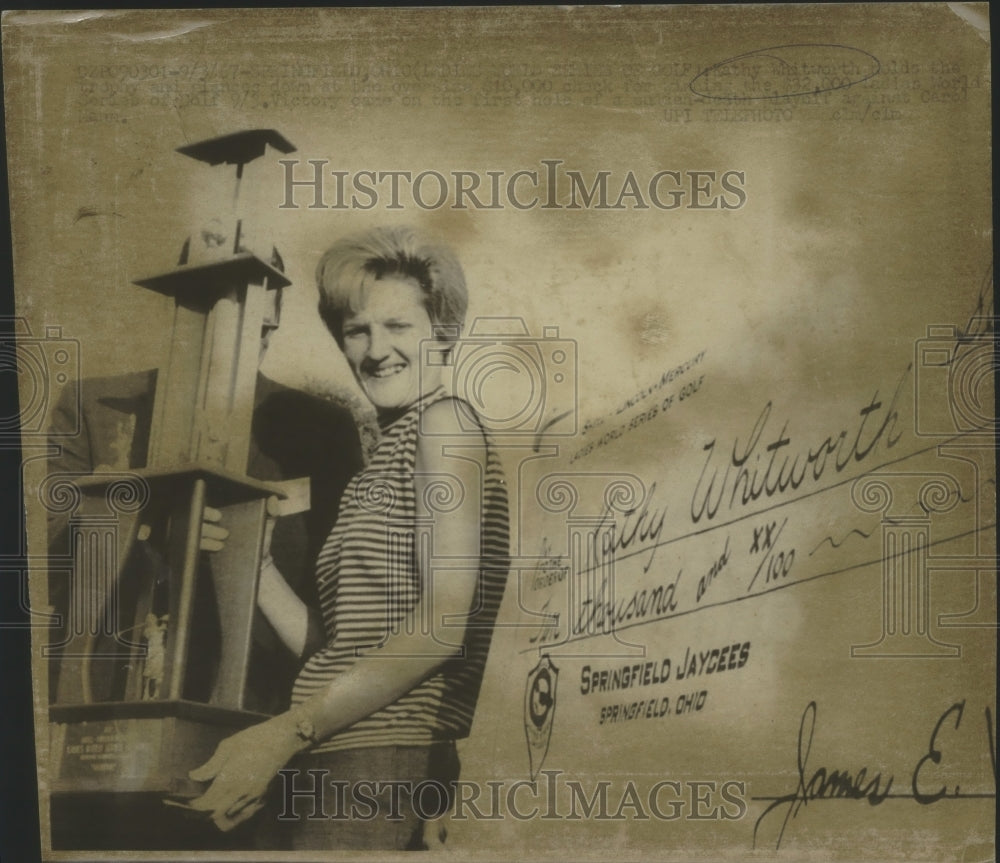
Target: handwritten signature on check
830	784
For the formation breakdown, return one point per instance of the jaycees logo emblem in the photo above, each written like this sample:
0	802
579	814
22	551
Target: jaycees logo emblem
539	710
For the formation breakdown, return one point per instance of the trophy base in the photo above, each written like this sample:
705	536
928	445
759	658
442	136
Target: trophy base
133	747
114	763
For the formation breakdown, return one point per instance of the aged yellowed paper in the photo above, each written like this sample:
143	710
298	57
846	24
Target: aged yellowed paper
730	328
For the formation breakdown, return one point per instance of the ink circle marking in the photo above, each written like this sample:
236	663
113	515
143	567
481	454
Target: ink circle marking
786	71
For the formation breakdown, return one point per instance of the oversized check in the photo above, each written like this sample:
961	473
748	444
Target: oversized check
731	326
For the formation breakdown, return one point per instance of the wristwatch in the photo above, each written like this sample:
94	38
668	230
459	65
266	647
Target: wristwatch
306	731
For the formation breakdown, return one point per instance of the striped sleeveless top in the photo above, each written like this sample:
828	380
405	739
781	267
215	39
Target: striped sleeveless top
368	581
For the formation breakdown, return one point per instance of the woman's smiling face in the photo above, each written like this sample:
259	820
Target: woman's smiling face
382	343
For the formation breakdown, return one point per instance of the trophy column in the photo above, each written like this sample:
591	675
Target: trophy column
154	671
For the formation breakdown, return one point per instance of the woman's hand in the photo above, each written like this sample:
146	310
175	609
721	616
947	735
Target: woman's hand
213	534
241	769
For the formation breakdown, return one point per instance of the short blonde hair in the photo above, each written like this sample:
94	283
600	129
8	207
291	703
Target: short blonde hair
350	263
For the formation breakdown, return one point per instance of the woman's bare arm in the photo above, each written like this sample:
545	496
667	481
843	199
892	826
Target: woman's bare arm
281	605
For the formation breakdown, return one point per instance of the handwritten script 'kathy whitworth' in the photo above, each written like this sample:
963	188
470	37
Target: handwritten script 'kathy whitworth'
746	482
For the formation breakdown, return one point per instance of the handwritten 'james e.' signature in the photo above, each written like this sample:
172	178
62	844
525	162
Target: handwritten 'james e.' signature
827	784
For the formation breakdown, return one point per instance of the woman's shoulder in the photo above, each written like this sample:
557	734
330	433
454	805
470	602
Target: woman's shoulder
453	417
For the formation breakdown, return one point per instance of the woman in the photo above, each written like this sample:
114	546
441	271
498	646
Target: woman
402	644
